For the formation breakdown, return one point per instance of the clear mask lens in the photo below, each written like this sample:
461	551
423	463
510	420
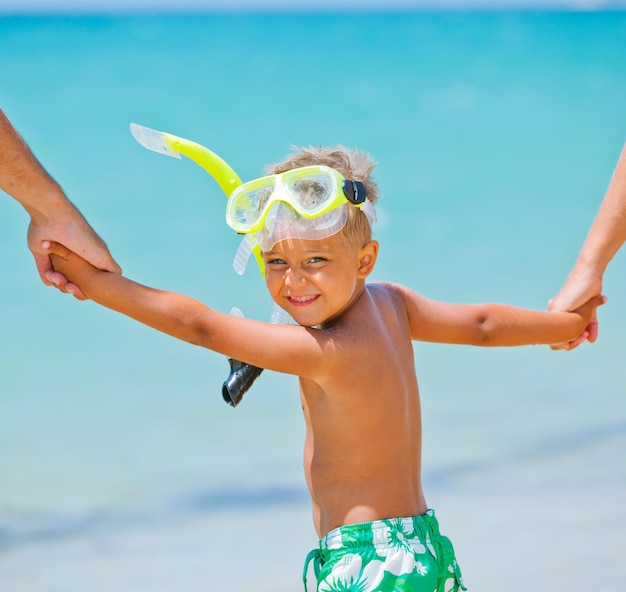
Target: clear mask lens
312	191
248	206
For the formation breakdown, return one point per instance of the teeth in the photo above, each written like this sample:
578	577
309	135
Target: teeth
302	299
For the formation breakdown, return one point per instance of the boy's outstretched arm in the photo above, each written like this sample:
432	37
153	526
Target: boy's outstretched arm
168	312
493	324
283	348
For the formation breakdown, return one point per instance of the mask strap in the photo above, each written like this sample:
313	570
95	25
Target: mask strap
370	211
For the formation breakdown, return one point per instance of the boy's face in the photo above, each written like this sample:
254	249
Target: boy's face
316	280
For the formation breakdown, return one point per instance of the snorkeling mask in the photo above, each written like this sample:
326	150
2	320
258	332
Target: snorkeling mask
309	203
308	198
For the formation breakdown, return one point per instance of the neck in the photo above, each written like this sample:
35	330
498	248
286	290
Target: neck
332	321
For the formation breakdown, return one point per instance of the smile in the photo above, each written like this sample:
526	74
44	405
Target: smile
301	300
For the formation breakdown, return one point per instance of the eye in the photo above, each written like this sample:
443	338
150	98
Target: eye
317	259
275	261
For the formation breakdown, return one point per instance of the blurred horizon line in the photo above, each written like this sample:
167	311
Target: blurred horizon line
103	7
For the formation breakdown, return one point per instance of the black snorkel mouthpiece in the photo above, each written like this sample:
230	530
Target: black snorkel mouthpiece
240	379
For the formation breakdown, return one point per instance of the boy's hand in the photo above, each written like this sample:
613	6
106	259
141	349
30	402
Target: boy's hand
579	287
71	266
588	313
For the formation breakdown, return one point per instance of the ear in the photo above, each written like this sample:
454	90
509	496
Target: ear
367	258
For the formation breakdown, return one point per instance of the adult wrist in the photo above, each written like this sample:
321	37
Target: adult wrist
50	204
590	266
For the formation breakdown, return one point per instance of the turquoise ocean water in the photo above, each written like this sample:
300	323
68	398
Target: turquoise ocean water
496	134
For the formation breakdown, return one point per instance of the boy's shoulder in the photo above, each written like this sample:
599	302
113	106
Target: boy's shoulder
390	289
398	296
388	294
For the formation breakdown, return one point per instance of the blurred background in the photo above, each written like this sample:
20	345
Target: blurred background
496	132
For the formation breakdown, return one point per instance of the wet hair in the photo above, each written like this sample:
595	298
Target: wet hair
352	164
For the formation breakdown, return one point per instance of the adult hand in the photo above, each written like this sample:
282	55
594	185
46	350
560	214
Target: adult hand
53	216
68	227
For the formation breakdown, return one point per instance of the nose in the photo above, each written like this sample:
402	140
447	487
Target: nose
294	277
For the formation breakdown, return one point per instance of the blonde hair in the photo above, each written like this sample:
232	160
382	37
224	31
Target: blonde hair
352	164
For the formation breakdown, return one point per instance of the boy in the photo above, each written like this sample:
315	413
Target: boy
352	351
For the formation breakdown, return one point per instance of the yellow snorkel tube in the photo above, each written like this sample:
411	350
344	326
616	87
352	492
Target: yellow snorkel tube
218	168
241	375
173	146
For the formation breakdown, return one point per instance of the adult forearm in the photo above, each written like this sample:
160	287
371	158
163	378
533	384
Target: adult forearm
608	231
23	177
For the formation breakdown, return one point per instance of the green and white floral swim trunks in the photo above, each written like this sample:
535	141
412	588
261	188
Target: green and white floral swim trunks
397	555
